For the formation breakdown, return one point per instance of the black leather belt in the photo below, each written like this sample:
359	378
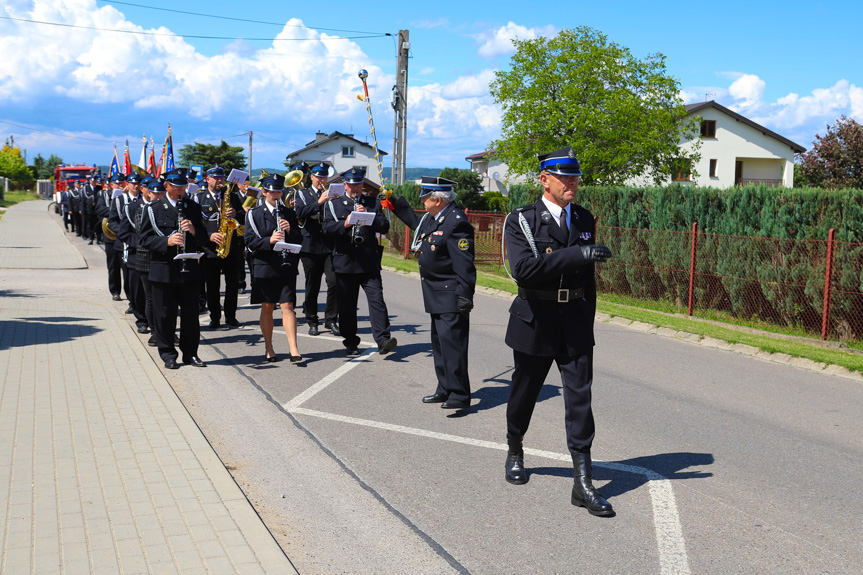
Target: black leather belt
559	295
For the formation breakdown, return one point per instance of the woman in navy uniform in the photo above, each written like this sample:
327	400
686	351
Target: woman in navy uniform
174	282
444	240
275	272
357	263
552	251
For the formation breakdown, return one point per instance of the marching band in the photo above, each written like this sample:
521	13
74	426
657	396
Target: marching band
170	245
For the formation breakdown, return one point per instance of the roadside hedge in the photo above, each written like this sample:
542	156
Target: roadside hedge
747	263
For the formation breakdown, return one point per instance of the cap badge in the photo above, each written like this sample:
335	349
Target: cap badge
571	154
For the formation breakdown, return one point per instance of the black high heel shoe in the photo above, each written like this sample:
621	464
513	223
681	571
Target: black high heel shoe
296	359
272	359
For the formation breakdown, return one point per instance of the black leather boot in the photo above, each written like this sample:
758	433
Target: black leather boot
583	492
515	471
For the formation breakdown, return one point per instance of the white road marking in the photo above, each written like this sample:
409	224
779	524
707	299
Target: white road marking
671	546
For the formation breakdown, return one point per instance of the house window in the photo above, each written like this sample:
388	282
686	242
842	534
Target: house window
681	170
712	168
347	151
708	128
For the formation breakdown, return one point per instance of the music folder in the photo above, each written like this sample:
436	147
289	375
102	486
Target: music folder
336	190
361	218
286	247
237	176
189	256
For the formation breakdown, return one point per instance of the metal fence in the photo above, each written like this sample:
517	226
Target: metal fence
813	285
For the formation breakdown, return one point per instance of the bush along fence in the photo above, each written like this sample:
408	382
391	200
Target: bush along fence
813	285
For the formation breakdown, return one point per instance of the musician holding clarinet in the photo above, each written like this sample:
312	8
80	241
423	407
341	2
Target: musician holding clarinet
357	262
171	226
275	272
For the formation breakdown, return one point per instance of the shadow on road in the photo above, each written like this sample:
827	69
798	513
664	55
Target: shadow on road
669	465
22	332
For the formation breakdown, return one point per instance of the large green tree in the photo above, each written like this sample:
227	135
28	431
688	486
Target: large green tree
468	187
623	116
836	159
13	166
227	156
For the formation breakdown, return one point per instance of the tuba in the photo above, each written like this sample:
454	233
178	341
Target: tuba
227	226
107	231
292	180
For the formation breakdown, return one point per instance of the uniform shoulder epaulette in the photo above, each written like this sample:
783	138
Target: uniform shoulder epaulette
529	207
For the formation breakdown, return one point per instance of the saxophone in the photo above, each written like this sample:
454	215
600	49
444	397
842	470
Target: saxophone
227	226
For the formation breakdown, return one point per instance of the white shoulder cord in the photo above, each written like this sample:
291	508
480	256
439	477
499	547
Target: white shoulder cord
417	241
251	223
528	234
153	221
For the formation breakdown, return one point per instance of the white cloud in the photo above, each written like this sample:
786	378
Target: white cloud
499	42
164	72
796	117
468	86
747	90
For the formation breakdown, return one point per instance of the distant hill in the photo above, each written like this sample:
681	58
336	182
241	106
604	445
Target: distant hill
414	173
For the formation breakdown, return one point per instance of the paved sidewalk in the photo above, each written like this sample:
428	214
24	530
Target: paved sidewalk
102	469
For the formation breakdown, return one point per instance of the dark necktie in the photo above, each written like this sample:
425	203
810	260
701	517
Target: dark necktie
563	225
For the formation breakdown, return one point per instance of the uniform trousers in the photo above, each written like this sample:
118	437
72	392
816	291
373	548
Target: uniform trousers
348	290
449	339
124	271
212	270
576	374
138	299
67	221
314	266
90	226
148	300
166	298
112	259
76	223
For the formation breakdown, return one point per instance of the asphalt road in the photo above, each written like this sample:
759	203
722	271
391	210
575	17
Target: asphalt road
715	462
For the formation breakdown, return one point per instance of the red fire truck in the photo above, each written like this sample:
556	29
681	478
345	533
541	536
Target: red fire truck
63	174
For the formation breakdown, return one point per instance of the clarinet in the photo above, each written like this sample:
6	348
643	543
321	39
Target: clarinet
356	238
184	268
278	213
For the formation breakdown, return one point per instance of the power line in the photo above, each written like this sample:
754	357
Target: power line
174	35
242	19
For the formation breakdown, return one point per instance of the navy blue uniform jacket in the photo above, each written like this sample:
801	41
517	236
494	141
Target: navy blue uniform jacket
348	257
312	216
163	267
549	328
446	255
260	225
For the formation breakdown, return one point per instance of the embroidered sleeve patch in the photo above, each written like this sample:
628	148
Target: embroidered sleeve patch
463	245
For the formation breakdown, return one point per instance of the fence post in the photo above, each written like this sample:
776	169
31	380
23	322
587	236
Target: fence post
407	242
692	257
828	277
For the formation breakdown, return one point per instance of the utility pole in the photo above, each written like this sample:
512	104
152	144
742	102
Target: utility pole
250	155
399	104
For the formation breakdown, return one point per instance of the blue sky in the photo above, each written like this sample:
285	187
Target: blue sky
792	66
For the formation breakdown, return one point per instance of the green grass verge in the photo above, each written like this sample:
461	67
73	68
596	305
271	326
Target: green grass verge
621	307
13	198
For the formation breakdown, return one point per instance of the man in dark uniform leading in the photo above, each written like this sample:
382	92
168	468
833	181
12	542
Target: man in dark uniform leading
357	262
170	226
444	240
552	252
316	252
